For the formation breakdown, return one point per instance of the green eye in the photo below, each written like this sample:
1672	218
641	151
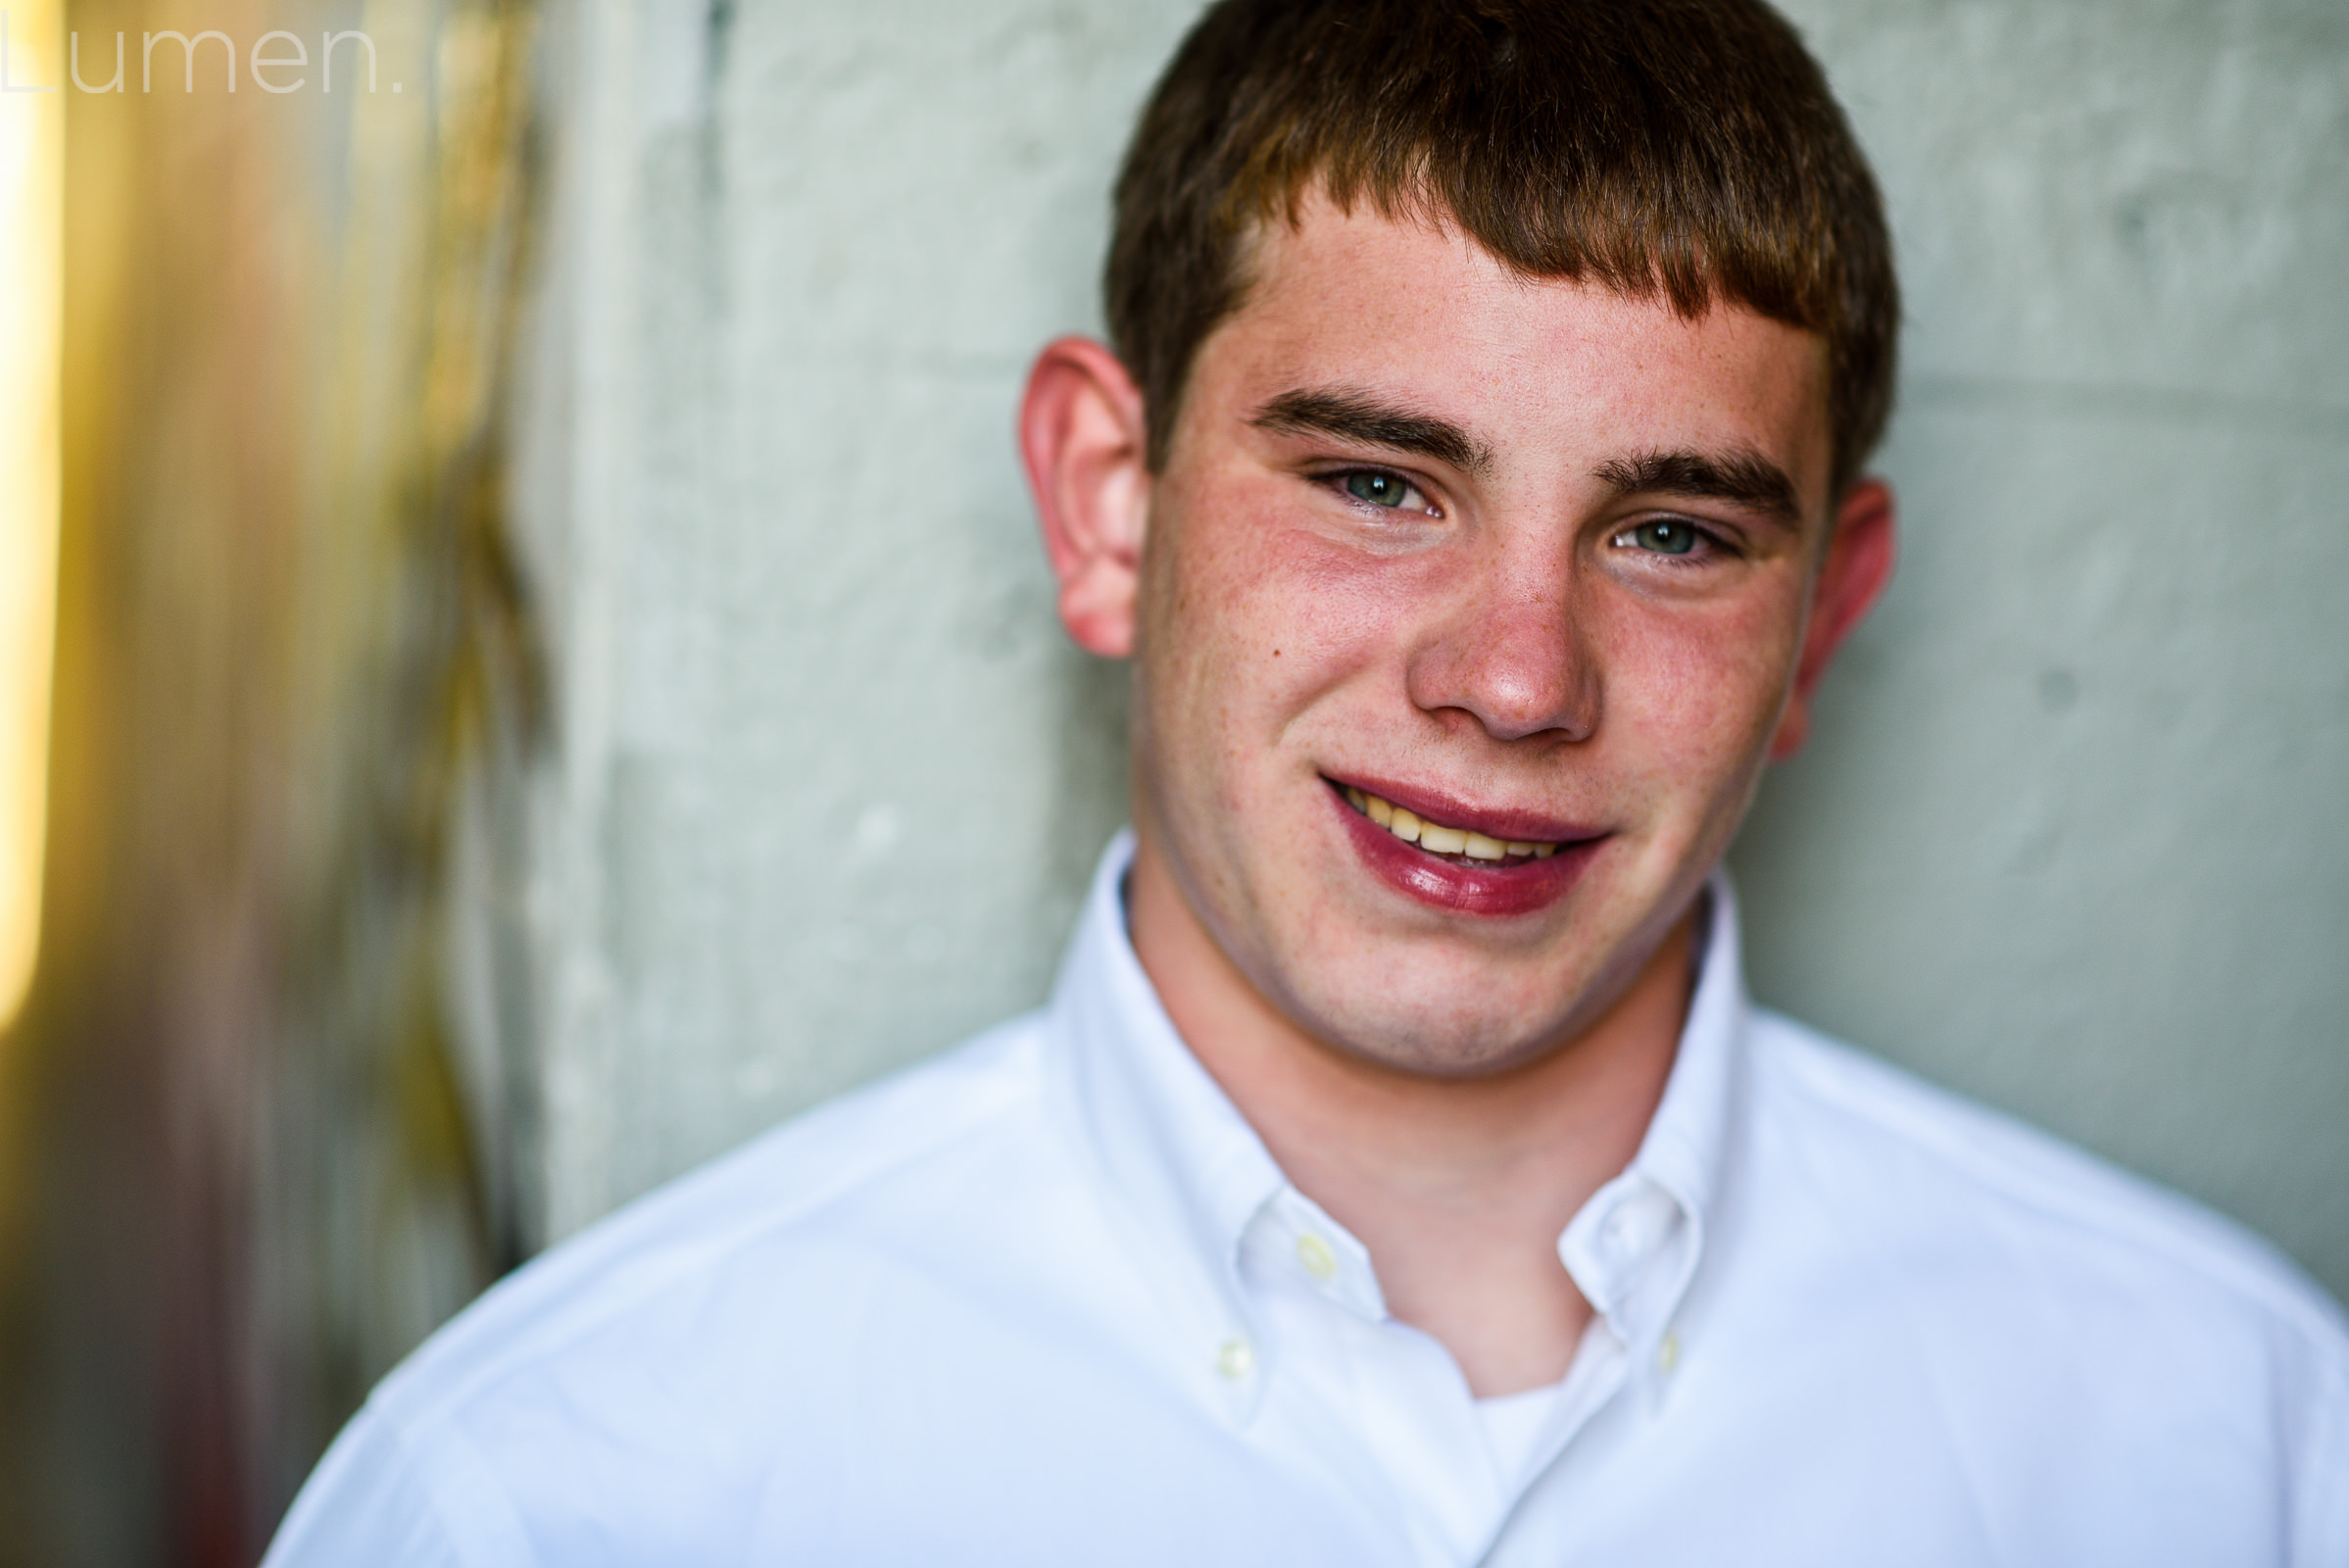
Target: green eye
1379	489
1664	536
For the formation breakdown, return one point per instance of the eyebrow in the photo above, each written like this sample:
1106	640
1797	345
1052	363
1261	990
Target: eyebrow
1366	421
1746	477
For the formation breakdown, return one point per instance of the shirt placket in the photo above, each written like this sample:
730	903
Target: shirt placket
1628	1250
1399	1394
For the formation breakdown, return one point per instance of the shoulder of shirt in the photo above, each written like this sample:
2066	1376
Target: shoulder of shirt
1974	1161
980	1091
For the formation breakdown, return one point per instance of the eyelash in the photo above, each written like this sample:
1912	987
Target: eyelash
1710	544
1334	482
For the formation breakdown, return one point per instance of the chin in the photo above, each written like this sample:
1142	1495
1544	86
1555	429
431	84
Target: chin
1441	1033
1475	1003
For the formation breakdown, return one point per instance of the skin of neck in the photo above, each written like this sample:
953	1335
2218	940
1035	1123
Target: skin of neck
1458	1187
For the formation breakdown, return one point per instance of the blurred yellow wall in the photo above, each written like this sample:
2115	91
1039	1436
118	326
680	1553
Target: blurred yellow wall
31	161
263	626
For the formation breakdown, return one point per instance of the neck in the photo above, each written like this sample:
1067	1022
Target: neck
1459	1187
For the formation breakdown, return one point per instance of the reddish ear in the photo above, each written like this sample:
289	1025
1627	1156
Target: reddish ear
1859	562
1082	437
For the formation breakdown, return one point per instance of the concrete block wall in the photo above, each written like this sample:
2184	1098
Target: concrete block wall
2072	839
828	780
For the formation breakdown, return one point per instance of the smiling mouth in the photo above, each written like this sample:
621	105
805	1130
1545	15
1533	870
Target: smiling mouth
1458	845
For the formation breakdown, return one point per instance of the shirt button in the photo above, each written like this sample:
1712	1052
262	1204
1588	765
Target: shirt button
1315	1254
1236	1359
1668	1355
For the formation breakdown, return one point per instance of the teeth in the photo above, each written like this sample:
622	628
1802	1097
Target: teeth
1442	840
1437	839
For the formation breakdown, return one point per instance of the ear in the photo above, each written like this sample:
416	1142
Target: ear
1858	565
1082	437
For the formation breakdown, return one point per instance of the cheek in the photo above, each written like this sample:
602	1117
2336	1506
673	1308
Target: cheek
1246	610
1697	691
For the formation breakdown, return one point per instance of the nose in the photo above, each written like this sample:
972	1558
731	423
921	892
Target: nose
1510	651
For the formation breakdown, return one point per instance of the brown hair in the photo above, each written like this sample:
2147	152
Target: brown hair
1686	148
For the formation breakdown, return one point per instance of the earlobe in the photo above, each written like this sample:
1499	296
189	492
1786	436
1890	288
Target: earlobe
1082	439
1858	565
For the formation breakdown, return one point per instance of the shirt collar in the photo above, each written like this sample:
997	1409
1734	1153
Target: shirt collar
1634	1246
1175	1153
1179	1157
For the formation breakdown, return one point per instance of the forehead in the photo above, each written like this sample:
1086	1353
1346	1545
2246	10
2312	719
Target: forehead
1413	308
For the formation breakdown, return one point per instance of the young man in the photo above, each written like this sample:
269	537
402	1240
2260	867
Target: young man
1398	1174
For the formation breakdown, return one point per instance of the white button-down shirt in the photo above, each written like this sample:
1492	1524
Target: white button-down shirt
1047	1300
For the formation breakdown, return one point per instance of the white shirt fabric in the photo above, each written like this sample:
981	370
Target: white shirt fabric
1047	1300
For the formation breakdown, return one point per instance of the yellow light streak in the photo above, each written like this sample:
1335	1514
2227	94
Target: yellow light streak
32	276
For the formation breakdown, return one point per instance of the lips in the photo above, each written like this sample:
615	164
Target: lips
1461	858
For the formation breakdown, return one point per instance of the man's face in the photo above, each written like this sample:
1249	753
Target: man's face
1521	558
